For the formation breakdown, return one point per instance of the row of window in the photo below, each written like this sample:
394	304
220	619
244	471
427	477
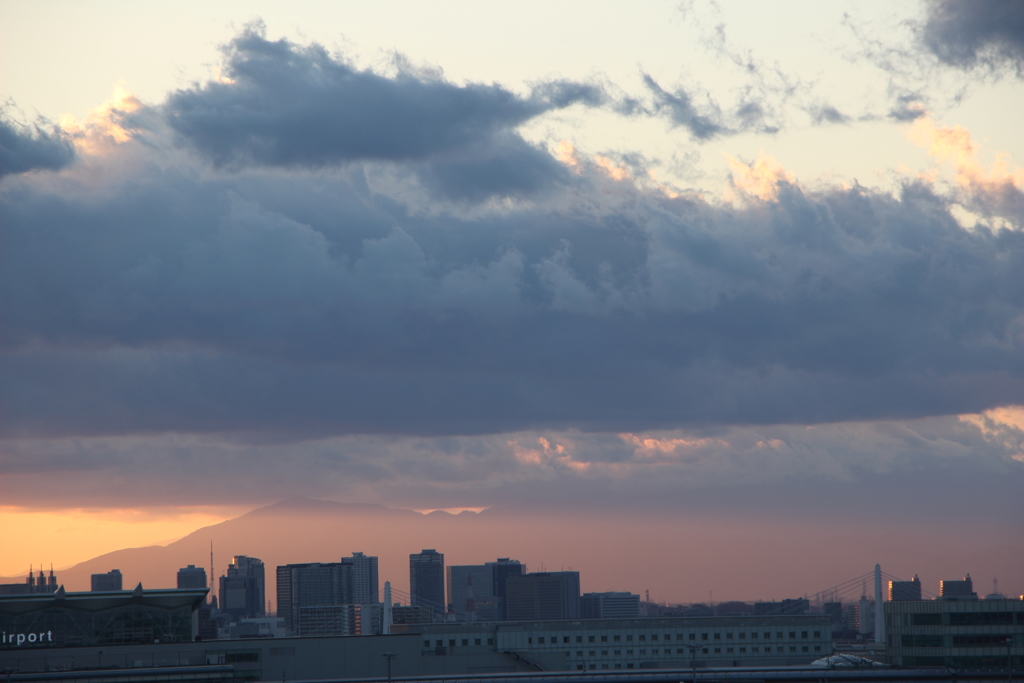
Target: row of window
553	640
679	636
682	651
451	642
963	619
964	640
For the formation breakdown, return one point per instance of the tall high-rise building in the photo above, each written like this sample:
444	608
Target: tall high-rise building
902	591
243	589
504	568
191	577
958	590
301	587
471	592
111	581
364	578
543	596
865	615
426	582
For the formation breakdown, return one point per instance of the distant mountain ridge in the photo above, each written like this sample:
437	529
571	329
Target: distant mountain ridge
291	530
676	554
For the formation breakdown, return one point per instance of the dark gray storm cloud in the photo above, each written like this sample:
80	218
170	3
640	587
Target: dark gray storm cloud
973	33
311	284
295	106
171	300
27	148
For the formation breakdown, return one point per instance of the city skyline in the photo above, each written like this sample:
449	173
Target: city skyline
679	577
734	283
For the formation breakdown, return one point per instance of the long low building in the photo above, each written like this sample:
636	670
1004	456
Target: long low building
157	629
600	644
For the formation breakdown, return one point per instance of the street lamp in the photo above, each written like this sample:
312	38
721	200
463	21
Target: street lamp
390	656
1009	658
693	659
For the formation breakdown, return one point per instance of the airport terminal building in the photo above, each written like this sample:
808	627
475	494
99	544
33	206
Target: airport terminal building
99	618
145	630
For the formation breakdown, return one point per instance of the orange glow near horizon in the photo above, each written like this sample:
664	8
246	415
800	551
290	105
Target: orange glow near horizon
67	537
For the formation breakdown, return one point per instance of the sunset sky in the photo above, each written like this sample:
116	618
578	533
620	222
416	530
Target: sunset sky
729	261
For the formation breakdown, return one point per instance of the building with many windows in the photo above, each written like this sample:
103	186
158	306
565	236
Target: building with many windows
111	581
191	577
543	596
958	589
243	589
955	633
669	644
426	582
609	606
364	578
63	619
320	589
608	644
471	592
903	591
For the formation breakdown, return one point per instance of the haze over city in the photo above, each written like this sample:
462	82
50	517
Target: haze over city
733	293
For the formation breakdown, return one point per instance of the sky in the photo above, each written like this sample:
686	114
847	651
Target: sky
711	260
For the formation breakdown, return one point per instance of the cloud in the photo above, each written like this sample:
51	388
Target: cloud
25	147
681	111
418	273
971	34
998	191
279	104
172	300
843	470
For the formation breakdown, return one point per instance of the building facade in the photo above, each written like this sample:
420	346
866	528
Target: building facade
314	585
904	591
243	589
543	596
502	569
63	619
364	578
471	592
609	606
426	582
955	633
959	589
111	581
191	577
481	648
609	644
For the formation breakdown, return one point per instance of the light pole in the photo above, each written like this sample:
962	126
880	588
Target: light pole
1009	658
693	659
390	656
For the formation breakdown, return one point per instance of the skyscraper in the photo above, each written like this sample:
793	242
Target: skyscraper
364	578
958	590
242	591
544	596
191	577
470	592
504	568
111	581
301	587
901	591
426	582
